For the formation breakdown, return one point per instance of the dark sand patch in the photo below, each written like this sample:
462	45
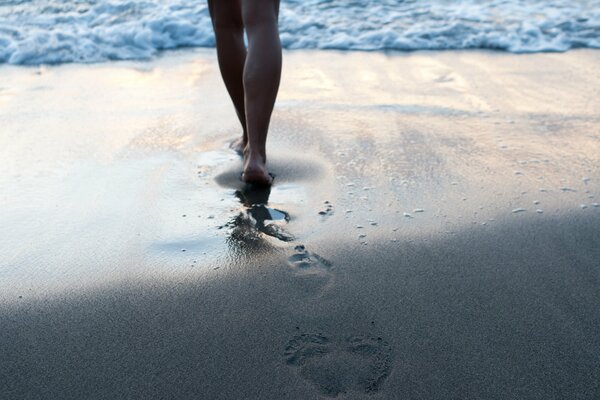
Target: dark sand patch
483	313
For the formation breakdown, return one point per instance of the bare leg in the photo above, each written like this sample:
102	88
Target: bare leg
262	73
228	25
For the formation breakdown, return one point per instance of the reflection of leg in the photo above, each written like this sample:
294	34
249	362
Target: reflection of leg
252	195
268	223
231	52
260	213
262	73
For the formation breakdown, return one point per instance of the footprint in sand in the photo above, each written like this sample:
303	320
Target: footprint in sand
357	363
314	270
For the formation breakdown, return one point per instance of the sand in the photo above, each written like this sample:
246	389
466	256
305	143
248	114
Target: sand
433	231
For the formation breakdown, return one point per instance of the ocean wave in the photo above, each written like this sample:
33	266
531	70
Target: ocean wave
51	31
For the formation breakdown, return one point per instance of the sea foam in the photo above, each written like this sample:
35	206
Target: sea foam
52	31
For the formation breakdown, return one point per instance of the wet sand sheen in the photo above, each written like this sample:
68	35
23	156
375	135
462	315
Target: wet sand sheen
433	230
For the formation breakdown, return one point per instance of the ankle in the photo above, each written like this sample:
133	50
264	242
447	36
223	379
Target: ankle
252	153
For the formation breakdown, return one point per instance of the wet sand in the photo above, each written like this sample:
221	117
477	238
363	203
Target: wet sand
433	231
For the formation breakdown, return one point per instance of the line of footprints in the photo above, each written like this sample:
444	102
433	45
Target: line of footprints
334	367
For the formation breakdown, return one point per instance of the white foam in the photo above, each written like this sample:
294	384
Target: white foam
54	31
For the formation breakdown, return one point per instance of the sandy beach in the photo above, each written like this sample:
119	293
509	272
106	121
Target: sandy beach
433	231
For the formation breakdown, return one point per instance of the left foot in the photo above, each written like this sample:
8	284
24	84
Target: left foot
238	146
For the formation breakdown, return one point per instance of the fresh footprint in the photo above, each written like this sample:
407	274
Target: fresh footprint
358	363
308	262
314	270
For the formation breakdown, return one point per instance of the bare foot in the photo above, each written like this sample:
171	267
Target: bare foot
255	169
238	146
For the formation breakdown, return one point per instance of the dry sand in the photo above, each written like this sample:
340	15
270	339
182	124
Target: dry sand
433	231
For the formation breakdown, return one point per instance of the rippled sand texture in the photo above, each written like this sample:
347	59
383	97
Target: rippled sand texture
433	230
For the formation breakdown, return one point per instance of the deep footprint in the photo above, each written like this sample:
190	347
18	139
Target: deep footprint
306	345
358	363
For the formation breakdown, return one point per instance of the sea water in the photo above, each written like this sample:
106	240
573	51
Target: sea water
58	31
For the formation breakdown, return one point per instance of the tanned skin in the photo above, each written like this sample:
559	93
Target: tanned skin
251	75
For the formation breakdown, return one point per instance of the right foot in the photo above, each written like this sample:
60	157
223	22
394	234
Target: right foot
255	170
